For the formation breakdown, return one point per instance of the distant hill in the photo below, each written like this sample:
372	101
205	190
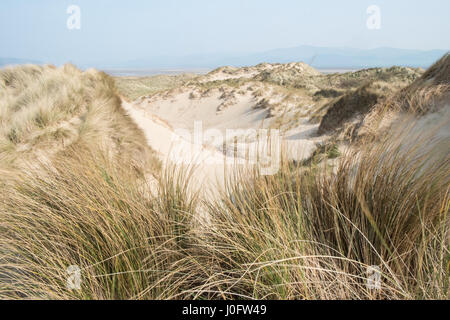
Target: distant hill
318	57
322	57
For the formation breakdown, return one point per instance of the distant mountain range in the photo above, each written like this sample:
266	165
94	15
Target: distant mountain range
318	57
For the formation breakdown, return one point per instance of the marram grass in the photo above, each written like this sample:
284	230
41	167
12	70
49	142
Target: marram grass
300	234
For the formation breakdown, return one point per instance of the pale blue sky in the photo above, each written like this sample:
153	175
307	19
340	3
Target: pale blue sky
120	30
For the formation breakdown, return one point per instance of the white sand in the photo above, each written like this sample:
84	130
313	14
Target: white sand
174	149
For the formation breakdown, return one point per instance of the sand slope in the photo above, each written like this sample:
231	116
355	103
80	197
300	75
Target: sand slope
169	127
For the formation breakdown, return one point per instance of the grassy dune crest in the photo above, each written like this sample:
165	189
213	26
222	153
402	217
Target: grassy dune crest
43	110
428	94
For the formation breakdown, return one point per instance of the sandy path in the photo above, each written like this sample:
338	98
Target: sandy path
174	149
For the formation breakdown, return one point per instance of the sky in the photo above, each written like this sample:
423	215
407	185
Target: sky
122	30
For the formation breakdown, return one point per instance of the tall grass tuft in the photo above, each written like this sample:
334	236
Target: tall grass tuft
89	210
309	234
